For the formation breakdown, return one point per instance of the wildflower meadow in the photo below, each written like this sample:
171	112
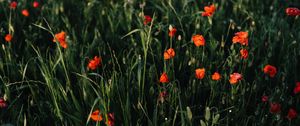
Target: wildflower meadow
150	62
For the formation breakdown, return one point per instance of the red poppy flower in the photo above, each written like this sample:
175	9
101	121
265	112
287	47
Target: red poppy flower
198	40
111	119
170	53
264	98
244	53
3	103
96	115
61	38
8	37
147	19
13	5
25	12
200	73
35	4
172	31
164	78
297	88
94	63
234	78
275	108
209	10
270	70
292	11
292	114
216	76
241	37
162	96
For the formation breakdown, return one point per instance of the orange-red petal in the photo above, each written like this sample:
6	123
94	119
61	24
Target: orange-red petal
96	116
200	73
25	12
270	70
244	53
94	63
198	40
170	53
216	76
8	38
172	32
61	38
164	78
234	78
209	10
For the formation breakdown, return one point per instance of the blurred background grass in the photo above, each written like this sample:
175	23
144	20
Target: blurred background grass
45	84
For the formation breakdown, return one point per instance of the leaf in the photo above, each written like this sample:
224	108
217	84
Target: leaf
151	91
41	27
216	119
202	123
11	28
189	113
207	113
131	32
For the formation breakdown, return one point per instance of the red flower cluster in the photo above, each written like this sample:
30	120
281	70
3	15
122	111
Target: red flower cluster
94	63
275	108
111	119
170	53
61	38
97	116
25	12
3	103
200	73
270	70
234	78
209	10
216	76
241	37
172	31
8	37
198	40
13	5
297	88
164	78
244	53
162	96
292	11
147	19
292	114
264	98
35	4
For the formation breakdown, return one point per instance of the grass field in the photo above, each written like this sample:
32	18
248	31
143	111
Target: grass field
150	62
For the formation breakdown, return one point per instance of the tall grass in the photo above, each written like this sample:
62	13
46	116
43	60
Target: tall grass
45	84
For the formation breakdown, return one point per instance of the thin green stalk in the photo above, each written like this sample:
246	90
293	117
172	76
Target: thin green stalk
146	46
